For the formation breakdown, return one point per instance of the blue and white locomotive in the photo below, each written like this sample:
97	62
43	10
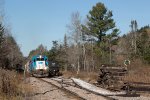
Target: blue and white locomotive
39	66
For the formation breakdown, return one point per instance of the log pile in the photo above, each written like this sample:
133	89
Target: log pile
111	77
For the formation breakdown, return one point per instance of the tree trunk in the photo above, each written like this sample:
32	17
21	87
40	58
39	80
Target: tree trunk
78	56
110	60
84	58
78	69
135	43
93	58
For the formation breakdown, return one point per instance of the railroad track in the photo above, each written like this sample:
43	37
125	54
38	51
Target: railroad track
61	88
67	85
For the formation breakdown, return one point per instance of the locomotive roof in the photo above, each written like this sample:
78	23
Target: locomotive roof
38	56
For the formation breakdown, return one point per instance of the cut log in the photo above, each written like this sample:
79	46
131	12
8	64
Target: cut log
95	89
111	76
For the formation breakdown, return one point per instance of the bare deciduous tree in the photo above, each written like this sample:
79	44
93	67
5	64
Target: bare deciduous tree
134	28
75	30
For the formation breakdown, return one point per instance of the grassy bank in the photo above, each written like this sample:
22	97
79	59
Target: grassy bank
12	86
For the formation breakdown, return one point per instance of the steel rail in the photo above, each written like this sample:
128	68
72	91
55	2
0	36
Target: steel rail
75	94
65	90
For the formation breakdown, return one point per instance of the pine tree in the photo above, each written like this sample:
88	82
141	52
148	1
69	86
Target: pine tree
100	21
1	34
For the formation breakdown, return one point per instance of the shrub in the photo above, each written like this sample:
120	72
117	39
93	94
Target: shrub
9	84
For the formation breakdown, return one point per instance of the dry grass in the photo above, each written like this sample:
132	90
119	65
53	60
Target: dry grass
138	72
11	86
87	76
139	75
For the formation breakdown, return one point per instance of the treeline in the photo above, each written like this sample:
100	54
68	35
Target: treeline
86	45
10	54
136	44
96	41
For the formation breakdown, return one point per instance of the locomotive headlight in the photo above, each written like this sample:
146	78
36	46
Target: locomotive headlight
37	67
46	68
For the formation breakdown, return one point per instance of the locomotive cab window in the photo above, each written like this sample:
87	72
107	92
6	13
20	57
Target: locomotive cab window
40	59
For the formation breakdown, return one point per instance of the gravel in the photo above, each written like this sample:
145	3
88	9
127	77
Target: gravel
102	91
45	91
81	92
95	89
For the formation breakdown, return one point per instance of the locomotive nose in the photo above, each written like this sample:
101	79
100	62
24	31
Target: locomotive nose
39	66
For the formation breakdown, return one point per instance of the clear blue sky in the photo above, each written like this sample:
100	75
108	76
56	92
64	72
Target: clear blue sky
35	22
